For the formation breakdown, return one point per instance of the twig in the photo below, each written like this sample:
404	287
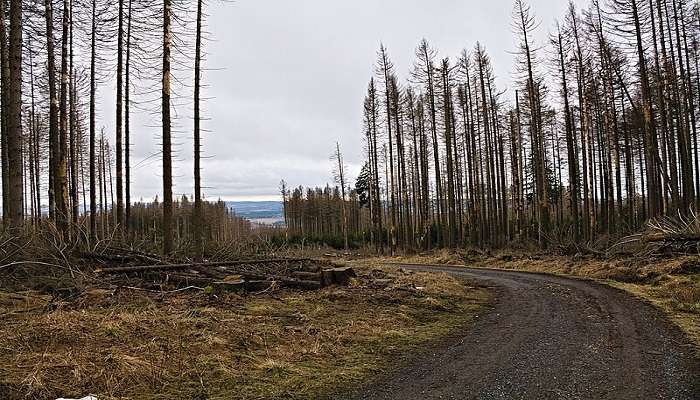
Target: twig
268	289
161	292
33	263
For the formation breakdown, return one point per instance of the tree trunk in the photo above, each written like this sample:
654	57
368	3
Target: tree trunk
61	179
93	160
198	216
127	133
14	118
119	118
167	144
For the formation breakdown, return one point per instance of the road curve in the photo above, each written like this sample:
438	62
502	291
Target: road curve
549	337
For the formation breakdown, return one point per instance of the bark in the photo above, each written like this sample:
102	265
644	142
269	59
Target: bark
14	119
61	179
198	216
120	118
127	128
167	144
92	139
570	144
75	202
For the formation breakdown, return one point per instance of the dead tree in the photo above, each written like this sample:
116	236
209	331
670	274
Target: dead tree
167	139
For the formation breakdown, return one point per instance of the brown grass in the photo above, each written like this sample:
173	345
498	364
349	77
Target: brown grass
127	344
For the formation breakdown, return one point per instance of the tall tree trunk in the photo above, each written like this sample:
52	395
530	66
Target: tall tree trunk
652	171
167	144
93	160
198	217
73	135
570	142
54	149
127	128
14	118
447	111
62	211
119	118
34	144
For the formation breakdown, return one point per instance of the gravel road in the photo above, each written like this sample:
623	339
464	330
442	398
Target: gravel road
548	337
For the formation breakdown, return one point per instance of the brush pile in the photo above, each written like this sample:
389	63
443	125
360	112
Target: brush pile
243	276
668	235
67	273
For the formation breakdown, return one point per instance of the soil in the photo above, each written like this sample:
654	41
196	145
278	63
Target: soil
549	337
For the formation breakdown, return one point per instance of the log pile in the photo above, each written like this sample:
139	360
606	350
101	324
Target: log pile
242	276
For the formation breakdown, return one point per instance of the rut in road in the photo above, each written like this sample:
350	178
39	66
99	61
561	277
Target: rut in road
549	337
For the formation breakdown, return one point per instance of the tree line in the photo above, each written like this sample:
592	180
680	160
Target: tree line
598	136
55	56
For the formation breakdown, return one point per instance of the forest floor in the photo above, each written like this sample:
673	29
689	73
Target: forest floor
669	282
127	343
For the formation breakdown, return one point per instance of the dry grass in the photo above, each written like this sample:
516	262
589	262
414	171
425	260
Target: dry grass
293	345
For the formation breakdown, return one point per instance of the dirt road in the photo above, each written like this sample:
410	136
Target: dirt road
549	337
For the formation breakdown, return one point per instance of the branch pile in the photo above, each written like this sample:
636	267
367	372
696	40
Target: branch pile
679	234
243	276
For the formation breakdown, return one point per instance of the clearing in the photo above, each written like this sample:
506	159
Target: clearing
115	339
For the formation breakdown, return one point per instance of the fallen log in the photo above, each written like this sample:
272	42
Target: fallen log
174	267
662	237
313	276
284	281
188	280
115	258
144	256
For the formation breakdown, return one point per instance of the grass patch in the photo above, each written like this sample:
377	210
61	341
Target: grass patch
286	344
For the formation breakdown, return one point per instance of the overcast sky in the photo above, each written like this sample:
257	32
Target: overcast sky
287	79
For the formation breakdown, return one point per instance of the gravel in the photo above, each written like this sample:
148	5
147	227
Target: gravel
547	337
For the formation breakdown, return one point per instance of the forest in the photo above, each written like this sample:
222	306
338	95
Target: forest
61	170
412	279
597	137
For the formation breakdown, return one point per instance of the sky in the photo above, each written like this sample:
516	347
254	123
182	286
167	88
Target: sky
286	81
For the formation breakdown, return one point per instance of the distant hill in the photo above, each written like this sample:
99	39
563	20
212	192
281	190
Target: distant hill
262	212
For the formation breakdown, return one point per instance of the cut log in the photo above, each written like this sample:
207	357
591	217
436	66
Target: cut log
285	281
340	276
310	276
